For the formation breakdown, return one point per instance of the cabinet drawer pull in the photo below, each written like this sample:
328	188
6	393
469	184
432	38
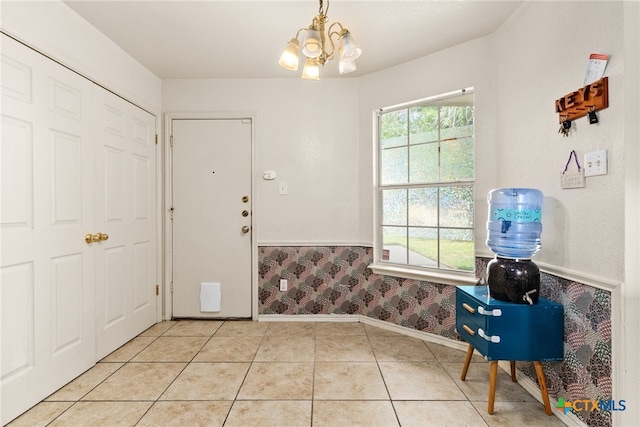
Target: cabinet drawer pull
469	330
491	338
468	307
495	312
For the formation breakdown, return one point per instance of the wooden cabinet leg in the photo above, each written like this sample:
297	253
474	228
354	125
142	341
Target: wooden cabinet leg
467	360
492	385
513	371
543	387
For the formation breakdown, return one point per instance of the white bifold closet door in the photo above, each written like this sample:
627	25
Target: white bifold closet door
125	209
75	160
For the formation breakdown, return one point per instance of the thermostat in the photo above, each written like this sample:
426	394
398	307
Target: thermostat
269	175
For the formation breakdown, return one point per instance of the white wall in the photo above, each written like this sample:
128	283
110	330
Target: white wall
628	372
54	29
469	64
306	133
593	232
542	53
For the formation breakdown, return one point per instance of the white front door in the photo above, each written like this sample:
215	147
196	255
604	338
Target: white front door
47	269
211	227
125	210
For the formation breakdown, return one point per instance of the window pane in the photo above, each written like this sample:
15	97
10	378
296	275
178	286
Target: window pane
456	121
393	129
423	163
394	207
426	172
456	249
456	206
423	124
394	240
423	247
423	207
393	166
457	160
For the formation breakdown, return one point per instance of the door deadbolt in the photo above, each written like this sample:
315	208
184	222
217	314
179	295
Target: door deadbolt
245	213
245	199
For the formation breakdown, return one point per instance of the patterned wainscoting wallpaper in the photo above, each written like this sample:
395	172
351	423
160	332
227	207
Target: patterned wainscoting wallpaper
336	280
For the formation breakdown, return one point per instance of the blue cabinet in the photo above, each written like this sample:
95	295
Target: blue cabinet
502	330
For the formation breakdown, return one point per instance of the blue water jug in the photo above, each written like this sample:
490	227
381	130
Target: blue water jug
514	222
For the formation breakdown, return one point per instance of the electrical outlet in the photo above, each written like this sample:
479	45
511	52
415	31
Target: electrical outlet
595	163
284	284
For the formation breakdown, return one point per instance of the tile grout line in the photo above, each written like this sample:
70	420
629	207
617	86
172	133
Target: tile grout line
395	412
75	402
313	376
179	373
253	359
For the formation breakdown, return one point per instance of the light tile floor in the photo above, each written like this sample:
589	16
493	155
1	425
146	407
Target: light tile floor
242	373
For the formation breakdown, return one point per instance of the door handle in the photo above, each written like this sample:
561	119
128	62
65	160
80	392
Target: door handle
245	229
94	238
101	236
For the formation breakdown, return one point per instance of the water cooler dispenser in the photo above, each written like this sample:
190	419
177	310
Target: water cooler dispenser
514	226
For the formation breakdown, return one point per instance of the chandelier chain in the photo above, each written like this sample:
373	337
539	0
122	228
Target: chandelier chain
321	9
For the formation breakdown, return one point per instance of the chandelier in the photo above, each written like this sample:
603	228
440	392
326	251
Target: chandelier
319	48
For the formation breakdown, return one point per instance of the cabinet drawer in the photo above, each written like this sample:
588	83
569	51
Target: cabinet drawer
506	331
477	312
470	333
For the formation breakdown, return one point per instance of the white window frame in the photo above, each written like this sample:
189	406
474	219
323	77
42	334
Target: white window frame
443	276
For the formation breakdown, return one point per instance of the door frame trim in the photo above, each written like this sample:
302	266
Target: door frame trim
166	204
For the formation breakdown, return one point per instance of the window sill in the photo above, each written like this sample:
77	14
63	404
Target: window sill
446	278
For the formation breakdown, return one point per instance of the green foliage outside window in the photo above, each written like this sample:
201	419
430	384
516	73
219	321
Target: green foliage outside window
426	175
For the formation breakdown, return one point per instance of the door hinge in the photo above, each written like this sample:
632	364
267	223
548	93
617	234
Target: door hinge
171	209
157	289
171	141
171	287
156	139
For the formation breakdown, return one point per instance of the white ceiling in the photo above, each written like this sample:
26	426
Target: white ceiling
219	39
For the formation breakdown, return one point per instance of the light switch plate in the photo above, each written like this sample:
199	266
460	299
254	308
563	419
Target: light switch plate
595	163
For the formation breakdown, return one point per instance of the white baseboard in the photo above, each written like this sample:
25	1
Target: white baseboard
308	318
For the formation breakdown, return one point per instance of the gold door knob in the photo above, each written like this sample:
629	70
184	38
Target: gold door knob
245	213
245	229
95	238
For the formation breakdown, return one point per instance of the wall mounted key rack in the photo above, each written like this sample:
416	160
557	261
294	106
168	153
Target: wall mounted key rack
590	98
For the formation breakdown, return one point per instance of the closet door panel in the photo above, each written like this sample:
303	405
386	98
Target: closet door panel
125	211
48	326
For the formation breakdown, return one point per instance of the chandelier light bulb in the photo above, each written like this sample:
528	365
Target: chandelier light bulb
345	66
290	56
312	44
311	70
349	48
